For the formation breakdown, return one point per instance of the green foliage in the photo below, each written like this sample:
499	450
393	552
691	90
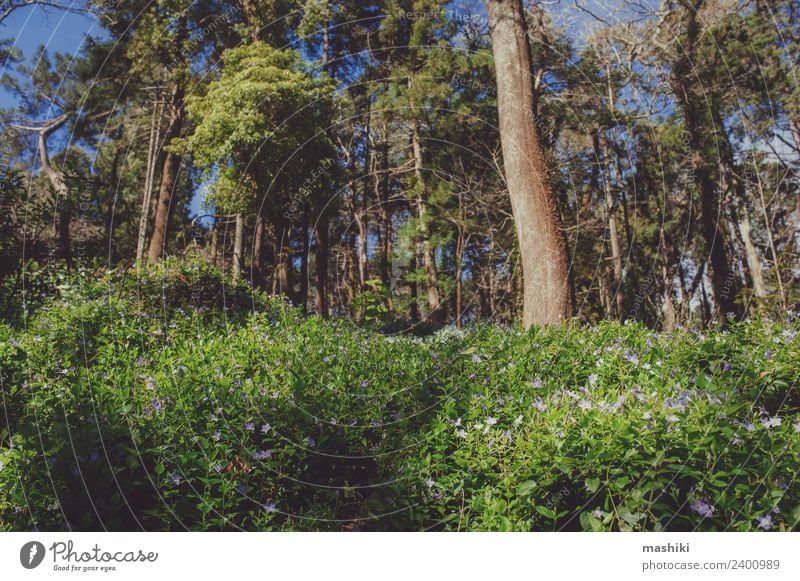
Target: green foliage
261	121
133	403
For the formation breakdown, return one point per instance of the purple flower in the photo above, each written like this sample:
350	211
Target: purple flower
365	384
702	508
216	436
311	442
771	422
631	357
536	383
250	427
539	404
593	380
265	428
262	455
675	405
764	522
262	392
175	479
726	367
241	489
269	507
768	354
748	425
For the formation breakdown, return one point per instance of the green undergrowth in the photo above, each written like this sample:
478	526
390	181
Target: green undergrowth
174	400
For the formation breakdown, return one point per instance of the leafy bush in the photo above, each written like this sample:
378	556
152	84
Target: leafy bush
134	402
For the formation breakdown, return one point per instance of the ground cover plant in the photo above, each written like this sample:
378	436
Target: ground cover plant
174	399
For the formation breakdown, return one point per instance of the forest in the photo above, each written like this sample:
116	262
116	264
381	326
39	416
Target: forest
400	265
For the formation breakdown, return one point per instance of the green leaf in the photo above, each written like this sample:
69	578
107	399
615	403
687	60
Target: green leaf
546	512
526	488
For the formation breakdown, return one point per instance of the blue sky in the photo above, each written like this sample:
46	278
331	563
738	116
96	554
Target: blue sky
59	31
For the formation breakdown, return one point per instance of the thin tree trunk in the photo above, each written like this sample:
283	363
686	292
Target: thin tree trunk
238	247
751	254
361	256
423	230
258	252
382	197
459	307
152	149
414	289
698	127
547	294
613	231
214	242
304	262
59	185
321	265
669	306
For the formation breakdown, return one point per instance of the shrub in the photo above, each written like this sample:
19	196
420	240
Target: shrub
132	402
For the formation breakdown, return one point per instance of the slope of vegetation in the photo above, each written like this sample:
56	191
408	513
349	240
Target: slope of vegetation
139	402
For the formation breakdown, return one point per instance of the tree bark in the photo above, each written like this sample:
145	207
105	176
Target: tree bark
423	230
751	254
258	251
214	241
613	229
699	124
547	293
321	266
303	296
238	247
152	151
169	176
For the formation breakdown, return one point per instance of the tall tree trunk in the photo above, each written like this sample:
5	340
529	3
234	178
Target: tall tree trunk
423	229
61	203
214	241
459	258
152	151
603	156
321	265
169	176
699	125
547	293
282	283
382	198
669	305
304	262
258	251
414	289
238	247
751	255
361	255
